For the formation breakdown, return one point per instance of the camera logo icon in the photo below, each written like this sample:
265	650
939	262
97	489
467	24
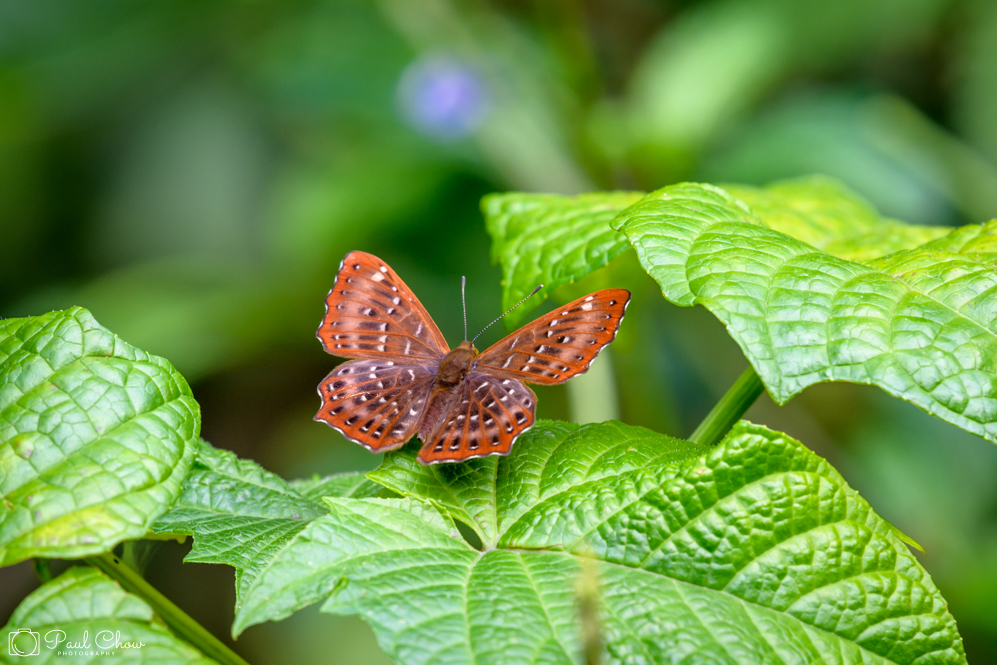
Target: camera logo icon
24	642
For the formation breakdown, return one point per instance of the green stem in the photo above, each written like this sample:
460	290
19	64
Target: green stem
592	397
729	409
185	627
43	569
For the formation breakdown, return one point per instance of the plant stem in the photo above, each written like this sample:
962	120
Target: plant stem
738	398
592	397
185	627
43	569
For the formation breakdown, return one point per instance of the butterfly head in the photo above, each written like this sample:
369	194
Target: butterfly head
457	363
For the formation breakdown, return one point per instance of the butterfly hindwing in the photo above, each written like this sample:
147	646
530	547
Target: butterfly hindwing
560	344
376	403
486	416
371	313
477	405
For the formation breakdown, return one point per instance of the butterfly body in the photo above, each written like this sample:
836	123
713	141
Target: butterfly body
457	363
404	380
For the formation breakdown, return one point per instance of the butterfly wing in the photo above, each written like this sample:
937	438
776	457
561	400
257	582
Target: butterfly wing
561	344
485	418
376	403
371	313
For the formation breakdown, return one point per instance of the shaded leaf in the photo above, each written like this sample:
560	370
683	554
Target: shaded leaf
918	323
84	606
241	514
754	551
95	437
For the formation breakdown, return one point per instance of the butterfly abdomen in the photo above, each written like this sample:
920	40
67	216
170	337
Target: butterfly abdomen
440	403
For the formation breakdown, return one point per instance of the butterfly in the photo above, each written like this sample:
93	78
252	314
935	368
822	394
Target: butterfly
405	380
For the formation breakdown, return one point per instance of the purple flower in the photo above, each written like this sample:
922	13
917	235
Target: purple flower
442	97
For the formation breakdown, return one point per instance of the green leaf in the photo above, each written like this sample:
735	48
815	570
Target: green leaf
96	437
754	551
551	240
88	607
241	514
378	544
918	323
824	213
556	240
349	484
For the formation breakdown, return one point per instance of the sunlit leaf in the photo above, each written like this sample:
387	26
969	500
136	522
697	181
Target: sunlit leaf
824	213
919	323
753	551
95	437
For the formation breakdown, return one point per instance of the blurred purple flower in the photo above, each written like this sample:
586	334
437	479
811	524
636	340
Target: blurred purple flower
442	97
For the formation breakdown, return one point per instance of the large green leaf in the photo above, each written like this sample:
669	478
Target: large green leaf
555	240
551	240
96	437
919	322
241	514
755	551
84	607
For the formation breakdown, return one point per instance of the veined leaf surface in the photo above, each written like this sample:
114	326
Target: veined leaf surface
96	437
919	323
755	551
551	240
555	240
240	514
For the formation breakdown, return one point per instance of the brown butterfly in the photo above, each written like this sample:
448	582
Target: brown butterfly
406	380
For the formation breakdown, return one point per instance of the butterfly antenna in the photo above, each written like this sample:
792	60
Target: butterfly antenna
510	309
463	302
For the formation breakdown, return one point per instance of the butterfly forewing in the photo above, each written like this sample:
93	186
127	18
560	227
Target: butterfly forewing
395	388
486	416
376	403
371	313
561	344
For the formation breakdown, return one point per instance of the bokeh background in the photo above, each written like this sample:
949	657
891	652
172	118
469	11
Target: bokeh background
193	171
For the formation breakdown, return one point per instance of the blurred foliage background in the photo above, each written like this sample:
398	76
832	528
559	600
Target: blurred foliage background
193	172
